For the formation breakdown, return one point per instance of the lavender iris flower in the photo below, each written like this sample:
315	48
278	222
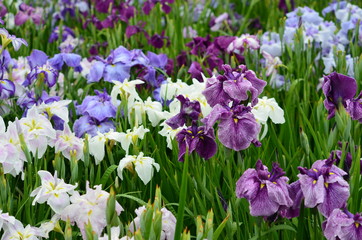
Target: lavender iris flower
87	124
65	32
190	110
7	89
233	86
196	139
37	58
99	107
237	128
29	99
354	108
337	88
323	186
44	73
70	59
266	191
155	61
117	65
342	224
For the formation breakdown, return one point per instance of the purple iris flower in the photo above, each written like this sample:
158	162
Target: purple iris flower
199	45
150	4
237	128
29	99
296	194
87	124
347	162
27	12
323	186
5	61
44	73
354	108
337	88
3	10
283	5
342	224
149	74
233	85
65	32
334	6
70	59
7	89
98	107
222	42
117	65
190	111
181	59
103	5
196	71
157	40
267	192
196	139
37	58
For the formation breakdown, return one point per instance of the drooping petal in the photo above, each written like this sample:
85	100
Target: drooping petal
313	190
262	205
96	72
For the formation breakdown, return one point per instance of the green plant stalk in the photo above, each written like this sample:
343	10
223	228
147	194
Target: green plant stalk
182	201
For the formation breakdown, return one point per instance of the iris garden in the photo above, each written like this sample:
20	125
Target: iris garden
164	119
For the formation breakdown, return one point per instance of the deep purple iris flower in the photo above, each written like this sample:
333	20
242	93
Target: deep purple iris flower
87	124
98	107
342	224
267	192
196	139
337	88
233	85
237	128
190	111
158	40
117	65
102	6
323	186
196	71
150	4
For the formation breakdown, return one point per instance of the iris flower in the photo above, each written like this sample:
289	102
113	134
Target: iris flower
267	192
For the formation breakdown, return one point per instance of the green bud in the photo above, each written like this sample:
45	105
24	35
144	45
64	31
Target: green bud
68	231
304	141
157	223
138	235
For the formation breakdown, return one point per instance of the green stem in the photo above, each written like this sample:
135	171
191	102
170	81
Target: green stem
182	201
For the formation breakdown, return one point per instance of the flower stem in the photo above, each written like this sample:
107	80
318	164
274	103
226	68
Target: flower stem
182	201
